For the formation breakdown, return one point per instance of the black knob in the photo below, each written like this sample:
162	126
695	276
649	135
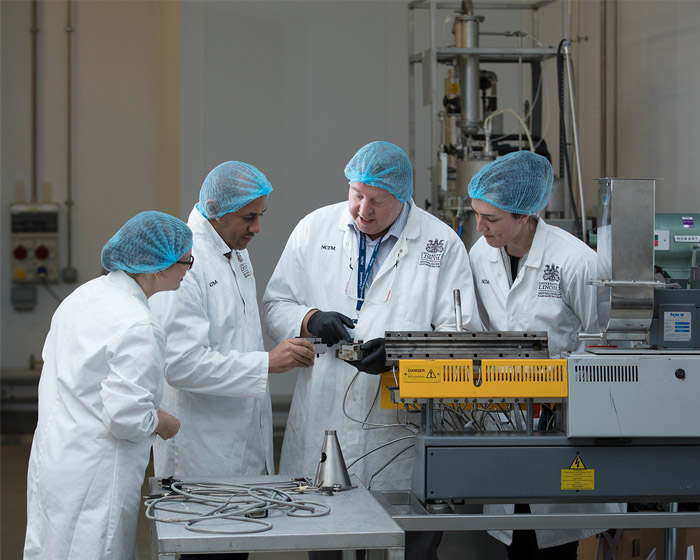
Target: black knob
680	373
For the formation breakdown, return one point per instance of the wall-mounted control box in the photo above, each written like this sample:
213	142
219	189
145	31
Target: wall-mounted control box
34	243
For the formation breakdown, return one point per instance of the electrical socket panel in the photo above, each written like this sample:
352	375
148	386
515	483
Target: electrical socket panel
34	243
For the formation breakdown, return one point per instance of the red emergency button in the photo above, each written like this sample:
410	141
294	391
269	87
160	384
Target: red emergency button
41	252
20	252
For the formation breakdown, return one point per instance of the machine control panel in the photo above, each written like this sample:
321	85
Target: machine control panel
34	243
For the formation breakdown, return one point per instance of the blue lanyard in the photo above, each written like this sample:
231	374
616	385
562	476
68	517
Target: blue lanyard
362	274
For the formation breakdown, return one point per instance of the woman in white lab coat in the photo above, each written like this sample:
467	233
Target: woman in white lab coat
532	276
99	392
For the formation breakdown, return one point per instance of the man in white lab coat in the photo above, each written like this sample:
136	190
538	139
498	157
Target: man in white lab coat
99	398
355	270
532	276
216	366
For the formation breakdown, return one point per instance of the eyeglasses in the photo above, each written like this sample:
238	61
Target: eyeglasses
188	264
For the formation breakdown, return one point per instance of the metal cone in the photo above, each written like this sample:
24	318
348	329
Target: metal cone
331	469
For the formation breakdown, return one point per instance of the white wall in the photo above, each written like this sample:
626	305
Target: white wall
294	88
125	133
658	102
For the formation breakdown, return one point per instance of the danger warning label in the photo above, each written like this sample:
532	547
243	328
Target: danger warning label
577	476
421	375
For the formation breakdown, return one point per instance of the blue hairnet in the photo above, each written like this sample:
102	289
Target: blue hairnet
229	187
520	182
385	165
149	242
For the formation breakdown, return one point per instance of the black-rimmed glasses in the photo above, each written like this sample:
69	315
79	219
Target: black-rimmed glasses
188	264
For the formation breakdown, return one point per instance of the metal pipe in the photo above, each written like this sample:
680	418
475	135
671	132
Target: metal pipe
433	103
35	70
613	117
429	417
411	92
603	88
458	309
670	535
469	75
520	94
69	136
577	151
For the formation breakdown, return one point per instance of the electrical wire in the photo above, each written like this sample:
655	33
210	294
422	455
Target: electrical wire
385	465
53	294
364	422
379	447
228	502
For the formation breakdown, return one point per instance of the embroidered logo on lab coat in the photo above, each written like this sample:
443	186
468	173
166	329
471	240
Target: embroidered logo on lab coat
550	286
244	265
432	255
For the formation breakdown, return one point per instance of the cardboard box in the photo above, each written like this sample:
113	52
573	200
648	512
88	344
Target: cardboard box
686	538
640	544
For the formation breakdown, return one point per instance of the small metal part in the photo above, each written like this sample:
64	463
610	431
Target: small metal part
167	483
350	351
319	347
458	309
257	514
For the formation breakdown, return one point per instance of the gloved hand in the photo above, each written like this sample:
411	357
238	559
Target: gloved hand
330	326
375	357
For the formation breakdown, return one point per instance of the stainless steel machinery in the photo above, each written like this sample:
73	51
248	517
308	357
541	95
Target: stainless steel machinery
466	77
500	421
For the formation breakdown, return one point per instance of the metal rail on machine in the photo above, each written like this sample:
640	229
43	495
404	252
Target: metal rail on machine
476	345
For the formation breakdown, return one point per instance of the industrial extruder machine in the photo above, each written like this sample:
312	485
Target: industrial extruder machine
502	421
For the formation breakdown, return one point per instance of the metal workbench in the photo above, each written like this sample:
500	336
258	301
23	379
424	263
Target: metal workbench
356	521
411	515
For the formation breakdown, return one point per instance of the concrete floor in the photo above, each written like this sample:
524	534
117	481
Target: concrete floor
14	456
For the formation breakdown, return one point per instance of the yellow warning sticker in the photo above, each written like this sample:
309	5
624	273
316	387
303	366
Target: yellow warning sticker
421	375
577	476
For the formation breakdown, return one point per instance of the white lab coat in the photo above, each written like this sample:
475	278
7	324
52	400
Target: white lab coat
99	391
413	290
550	294
216	368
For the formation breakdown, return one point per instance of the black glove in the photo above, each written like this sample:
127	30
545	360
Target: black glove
330	326
375	357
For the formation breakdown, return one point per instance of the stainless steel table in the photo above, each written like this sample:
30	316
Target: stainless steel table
356	521
410	514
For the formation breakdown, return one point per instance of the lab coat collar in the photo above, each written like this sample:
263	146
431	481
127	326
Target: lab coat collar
125	282
206	234
534	255
539	241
